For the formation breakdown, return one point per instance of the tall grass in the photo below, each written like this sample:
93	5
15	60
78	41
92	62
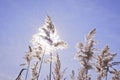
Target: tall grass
46	42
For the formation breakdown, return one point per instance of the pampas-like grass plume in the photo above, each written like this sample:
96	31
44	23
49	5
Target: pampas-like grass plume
103	62
85	54
57	74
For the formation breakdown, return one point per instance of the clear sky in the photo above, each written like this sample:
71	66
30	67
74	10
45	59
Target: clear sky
20	19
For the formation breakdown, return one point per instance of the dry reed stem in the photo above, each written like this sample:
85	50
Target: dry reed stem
72	76
19	75
41	62
28	58
50	74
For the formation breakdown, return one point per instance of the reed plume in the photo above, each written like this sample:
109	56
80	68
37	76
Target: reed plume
57	74
85	54
103	62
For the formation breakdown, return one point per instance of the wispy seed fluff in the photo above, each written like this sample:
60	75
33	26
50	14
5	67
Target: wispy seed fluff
47	39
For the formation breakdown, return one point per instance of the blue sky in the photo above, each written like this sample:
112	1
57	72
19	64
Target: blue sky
20	19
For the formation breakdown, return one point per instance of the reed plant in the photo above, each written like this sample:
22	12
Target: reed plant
47	41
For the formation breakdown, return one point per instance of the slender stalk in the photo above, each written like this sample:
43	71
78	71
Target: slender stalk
106	77
50	67
87	61
40	66
27	70
86	74
107	73
20	73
